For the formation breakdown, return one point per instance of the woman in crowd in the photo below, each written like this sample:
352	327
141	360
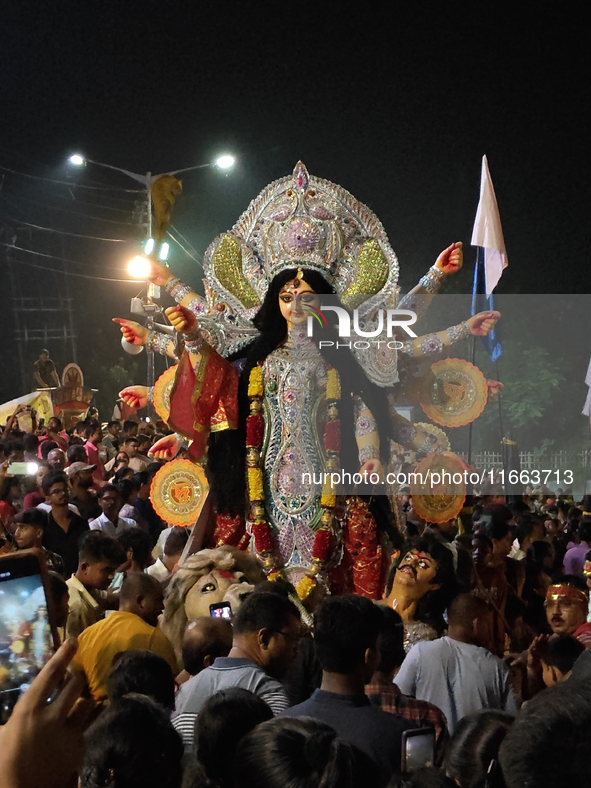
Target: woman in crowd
222	723
300	753
474	749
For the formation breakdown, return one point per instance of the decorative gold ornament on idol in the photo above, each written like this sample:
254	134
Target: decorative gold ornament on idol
327	517
454	392
258	511
333	463
435	497
307	223
178	492
162	390
253	456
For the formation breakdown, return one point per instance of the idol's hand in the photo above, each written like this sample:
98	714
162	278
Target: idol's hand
135	396
451	259
132	331
159	274
483	323
494	387
182	320
166	448
373	466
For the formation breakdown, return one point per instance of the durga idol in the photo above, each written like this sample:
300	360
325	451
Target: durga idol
264	406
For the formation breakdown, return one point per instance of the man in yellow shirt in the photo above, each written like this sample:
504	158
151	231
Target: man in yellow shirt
132	628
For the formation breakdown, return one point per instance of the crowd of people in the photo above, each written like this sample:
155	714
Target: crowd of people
480	641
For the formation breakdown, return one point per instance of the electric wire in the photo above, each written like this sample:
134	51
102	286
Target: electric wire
53	256
73	235
72	273
70	183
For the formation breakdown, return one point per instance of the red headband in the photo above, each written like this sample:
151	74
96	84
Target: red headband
566	591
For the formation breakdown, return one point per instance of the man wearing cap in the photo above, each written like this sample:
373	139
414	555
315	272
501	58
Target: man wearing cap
80	478
567	603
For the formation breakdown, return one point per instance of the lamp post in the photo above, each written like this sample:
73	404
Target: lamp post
139	267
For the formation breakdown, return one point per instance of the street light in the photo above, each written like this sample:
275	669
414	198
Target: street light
139	267
225	162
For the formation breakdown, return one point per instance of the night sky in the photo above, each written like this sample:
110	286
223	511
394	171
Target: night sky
398	107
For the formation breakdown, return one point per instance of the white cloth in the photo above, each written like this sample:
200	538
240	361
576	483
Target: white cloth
488	232
458	678
159	571
158	551
103	524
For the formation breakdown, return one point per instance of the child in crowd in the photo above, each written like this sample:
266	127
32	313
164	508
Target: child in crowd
558	655
99	558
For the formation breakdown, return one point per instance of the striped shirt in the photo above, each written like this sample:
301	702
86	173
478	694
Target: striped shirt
226	672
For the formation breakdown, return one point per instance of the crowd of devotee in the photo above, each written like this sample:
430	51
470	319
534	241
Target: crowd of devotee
478	647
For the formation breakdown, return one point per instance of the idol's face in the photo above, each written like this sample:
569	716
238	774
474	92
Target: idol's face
418	571
295	302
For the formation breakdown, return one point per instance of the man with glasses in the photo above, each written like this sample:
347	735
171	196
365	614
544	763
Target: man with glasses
265	642
64	528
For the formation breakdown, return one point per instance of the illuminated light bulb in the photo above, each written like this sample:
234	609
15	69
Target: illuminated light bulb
77	159
139	267
225	162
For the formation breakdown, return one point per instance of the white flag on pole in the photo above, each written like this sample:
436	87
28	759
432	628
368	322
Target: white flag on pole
488	232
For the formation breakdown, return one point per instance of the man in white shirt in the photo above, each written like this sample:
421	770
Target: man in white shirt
163	568
457	673
109	521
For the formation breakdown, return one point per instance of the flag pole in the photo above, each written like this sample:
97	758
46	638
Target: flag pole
476	286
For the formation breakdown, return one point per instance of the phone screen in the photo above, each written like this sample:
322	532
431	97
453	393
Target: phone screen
221	610
22	468
418	749
26	640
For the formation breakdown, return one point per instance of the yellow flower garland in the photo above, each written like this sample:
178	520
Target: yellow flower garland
255	382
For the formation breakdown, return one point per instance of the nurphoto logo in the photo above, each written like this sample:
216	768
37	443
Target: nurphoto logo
386	318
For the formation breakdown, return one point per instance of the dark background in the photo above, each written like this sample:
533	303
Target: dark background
397	106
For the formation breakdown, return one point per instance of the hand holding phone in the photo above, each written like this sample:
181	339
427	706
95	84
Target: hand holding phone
43	744
418	749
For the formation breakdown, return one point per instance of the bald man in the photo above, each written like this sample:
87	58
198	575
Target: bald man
132	628
204	641
457	673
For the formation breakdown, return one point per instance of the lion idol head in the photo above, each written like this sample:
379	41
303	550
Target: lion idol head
223	574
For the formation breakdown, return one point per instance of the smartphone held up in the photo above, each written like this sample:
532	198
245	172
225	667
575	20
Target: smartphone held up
28	637
221	610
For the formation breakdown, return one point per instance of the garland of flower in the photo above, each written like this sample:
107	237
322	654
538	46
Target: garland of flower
261	530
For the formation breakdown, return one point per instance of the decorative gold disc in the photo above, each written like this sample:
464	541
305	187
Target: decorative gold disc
440	443
454	392
435	497
162	389
178	492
